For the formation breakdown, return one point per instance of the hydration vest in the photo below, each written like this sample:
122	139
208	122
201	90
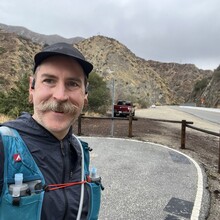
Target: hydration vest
18	159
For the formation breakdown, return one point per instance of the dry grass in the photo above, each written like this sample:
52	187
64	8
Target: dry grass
4	118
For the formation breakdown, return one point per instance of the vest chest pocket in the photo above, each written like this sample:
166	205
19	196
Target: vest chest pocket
29	207
18	160
95	200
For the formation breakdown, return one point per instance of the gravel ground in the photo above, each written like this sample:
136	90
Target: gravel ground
202	147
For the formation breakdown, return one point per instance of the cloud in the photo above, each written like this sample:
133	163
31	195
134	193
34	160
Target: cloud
164	30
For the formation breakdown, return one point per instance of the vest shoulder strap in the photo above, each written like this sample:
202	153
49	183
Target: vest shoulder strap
86	156
6	131
17	157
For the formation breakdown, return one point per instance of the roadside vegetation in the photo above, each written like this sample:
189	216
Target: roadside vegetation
4	118
216	74
15	101
99	95
201	85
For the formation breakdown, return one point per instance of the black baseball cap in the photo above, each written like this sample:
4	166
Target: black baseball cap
62	49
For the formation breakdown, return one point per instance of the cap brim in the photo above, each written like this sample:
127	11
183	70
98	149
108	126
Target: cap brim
41	56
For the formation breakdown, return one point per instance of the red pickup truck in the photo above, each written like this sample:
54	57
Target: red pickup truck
123	108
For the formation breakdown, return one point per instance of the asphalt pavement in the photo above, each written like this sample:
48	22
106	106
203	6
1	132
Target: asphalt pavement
209	114
147	181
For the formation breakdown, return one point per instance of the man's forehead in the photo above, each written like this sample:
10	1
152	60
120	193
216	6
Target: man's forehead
58	59
57	63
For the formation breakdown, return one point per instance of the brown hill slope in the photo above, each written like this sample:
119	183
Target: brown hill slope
16	57
134	78
180	78
211	94
141	81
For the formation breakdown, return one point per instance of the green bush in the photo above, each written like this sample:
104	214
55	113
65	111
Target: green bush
15	101
216	74
2	50
99	95
201	84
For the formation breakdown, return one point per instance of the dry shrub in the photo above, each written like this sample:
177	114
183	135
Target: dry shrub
4	118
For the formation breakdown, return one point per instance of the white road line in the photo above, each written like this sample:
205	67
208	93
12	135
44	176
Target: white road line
202	108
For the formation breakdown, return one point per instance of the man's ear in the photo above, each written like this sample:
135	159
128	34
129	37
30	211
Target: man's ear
31	88
87	88
86	99
31	83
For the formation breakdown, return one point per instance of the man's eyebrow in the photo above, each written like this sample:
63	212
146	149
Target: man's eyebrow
76	79
48	75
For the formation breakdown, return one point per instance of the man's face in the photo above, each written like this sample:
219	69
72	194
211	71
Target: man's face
59	94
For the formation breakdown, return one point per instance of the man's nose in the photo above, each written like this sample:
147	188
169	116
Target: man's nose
60	93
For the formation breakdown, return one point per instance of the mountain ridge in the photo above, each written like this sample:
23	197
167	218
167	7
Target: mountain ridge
113	60
39	38
186	75
154	80
144	81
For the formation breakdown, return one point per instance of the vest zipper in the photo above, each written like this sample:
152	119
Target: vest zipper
62	148
63	177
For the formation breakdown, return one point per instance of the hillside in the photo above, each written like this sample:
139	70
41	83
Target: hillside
211	94
141	81
16	57
134	79
180	78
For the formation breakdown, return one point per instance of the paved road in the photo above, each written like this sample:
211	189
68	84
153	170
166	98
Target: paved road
209	114
177	113
147	181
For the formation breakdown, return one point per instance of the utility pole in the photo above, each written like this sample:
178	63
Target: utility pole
113	100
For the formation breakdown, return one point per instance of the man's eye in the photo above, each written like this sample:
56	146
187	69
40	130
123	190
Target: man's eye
48	81
72	84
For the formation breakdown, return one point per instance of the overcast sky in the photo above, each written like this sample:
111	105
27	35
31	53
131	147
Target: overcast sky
182	31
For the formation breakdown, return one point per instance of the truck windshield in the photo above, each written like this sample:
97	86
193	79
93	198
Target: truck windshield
121	103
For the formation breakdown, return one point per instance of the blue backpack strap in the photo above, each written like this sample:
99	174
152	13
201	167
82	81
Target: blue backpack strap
14	145
86	157
18	159
94	187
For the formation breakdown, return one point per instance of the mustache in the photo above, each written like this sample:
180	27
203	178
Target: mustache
64	107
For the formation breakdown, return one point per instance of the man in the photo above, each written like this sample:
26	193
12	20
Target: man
58	91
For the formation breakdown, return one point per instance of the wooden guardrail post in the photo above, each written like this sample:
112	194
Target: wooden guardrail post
130	125
183	134
79	124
